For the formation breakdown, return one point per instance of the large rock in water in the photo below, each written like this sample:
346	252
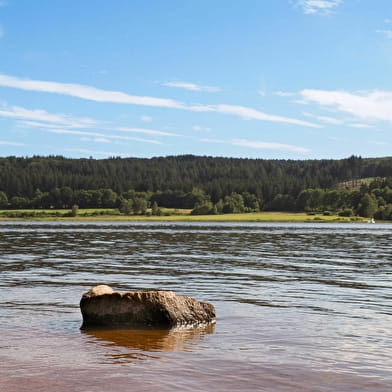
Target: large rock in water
103	307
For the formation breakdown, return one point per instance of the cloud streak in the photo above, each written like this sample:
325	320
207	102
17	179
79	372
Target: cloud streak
268	146
387	33
143	130
5	143
199	128
191	86
325	119
284	94
259	145
375	105
101	136
253	114
93	152
44	120
108	96
86	92
37	115
311	7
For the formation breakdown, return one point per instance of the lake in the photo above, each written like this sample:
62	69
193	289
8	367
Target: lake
300	307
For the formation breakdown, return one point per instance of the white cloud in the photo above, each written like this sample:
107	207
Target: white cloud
268	146
359	125
101	140
32	116
4	143
93	152
387	33
86	92
199	128
258	145
42	119
101	136
312	7
98	95
143	130
284	94
191	86
375	105
253	114
217	141
325	119
145	118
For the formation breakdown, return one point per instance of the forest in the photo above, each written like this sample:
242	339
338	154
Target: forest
205	185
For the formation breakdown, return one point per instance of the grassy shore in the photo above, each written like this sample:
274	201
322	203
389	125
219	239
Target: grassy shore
169	215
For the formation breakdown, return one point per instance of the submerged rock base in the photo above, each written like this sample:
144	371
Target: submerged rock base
103	307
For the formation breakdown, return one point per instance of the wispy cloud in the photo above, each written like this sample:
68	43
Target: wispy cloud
95	139
20	113
5	143
145	118
259	145
101	140
359	125
375	105
199	128
101	135
42	119
325	119
253	114
99	95
284	94
387	33
323	7
268	146
208	140
94	152
154	132
3	4
192	86
86	92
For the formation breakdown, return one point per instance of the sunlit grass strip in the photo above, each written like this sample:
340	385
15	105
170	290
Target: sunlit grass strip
172	215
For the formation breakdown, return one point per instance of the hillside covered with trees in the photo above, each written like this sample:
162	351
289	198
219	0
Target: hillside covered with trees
205	184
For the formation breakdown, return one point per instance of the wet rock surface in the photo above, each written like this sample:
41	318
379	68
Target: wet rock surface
103	307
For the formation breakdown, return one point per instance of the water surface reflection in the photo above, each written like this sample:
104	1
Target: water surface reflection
138	344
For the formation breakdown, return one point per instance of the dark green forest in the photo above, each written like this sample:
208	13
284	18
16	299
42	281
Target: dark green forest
207	185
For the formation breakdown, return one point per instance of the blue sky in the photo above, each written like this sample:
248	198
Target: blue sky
291	79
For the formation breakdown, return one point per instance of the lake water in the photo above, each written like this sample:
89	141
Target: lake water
300	307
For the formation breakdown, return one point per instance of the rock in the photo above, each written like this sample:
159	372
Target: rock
103	307
99	290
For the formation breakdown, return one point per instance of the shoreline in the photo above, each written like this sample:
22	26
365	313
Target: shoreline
102	216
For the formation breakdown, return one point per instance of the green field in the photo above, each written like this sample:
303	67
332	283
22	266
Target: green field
169	215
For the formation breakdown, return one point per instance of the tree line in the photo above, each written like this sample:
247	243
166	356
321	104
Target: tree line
203	184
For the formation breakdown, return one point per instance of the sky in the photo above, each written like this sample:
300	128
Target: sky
270	79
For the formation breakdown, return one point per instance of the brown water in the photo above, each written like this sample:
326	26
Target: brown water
301	307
